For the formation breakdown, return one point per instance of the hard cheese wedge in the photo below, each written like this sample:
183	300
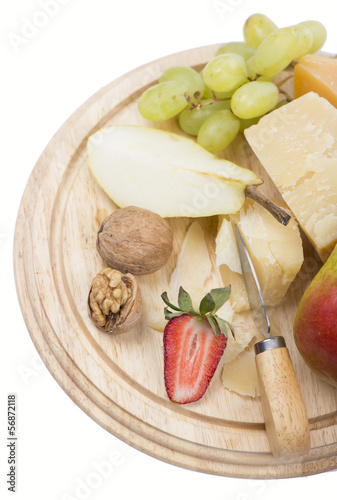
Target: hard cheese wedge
193	272
317	74
194	267
276	252
297	145
240	375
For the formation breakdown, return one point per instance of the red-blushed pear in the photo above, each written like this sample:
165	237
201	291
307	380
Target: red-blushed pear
315	325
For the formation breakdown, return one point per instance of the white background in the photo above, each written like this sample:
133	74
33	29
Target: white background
44	78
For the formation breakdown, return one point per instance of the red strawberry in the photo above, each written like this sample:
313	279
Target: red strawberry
193	344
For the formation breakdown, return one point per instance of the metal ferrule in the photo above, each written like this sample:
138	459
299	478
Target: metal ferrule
268	344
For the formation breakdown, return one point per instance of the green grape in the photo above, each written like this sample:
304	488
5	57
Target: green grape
187	76
252	75
254	99
318	32
257	28
276	52
248	123
191	119
305	39
162	101
225	72
241	48
281	103
218	130
251	68
209	94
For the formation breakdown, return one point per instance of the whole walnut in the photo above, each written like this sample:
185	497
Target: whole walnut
134	240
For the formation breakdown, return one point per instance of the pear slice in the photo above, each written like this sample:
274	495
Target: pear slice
165	173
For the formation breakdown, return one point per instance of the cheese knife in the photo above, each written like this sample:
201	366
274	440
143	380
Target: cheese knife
285	415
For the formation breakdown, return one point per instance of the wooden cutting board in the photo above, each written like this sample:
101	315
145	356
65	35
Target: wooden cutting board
118	380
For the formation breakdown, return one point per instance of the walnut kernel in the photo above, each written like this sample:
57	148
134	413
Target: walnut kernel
114	301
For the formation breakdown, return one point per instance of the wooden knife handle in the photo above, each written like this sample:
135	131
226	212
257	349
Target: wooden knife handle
283	407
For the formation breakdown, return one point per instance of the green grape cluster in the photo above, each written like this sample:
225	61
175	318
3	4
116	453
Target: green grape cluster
235	88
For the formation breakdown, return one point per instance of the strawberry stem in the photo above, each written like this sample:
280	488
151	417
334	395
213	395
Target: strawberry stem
209	305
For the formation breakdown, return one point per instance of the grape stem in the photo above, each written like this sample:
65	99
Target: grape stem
282	91
279	213
199	104
287	96
279	84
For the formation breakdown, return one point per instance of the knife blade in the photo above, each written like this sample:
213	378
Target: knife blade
283	407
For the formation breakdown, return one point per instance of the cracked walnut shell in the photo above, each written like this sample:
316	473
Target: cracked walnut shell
135	240
114	301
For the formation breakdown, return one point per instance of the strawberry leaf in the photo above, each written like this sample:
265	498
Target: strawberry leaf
169	314
223	324
165	298
207	304
214	325
185	301
220	296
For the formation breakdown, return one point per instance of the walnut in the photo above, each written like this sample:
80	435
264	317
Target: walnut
135	240
114	301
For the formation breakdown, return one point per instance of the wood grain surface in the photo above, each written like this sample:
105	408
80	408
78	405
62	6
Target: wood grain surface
118	380
282	403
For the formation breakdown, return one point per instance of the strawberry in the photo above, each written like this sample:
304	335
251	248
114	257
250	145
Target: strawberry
193	344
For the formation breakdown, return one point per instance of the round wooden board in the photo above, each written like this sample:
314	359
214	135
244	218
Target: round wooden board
118	380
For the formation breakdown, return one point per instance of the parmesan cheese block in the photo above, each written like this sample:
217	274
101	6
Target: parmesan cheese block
276	252
318	74
297	145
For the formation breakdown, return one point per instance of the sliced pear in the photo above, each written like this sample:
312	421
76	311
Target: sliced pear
165	173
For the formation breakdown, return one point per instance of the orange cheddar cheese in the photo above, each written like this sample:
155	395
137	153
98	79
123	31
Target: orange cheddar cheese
318	74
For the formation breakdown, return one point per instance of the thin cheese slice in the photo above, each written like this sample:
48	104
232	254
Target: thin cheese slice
193	272
240	375
193	266
297	146
244	330
318	74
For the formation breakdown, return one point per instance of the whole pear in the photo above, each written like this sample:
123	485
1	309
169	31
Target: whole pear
315	325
